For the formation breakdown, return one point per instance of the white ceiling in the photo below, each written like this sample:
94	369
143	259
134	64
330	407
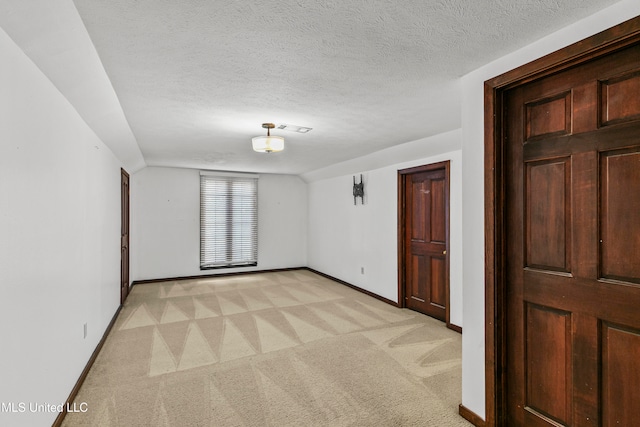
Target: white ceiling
191	81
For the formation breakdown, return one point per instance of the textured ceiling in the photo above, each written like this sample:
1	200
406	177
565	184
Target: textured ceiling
197	78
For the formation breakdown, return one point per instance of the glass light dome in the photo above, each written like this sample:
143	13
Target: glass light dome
268	144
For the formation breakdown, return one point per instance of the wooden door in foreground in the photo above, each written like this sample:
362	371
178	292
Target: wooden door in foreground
426	239
572	147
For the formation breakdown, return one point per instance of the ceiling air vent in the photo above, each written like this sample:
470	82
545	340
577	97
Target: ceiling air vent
294	128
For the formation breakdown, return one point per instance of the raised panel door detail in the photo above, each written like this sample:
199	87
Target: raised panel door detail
419	274
419	225
438	279
438	225
620	376
548	117
620	215
548	363
548	214
620	99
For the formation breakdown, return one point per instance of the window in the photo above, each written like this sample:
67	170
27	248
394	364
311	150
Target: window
228	220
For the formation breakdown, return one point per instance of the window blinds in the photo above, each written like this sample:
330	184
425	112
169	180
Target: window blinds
228	220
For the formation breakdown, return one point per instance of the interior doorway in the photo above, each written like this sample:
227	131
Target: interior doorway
562	196
423	235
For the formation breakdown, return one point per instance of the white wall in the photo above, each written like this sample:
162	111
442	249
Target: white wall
343	238
165	209
60	239
473	392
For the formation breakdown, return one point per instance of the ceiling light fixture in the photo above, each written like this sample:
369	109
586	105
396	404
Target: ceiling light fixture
268	143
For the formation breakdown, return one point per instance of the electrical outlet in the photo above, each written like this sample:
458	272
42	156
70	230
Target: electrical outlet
361	270
85	330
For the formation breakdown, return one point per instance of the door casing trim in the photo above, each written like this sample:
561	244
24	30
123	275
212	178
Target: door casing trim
596	46
125	217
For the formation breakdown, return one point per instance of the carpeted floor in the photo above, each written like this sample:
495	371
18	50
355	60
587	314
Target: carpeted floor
272	349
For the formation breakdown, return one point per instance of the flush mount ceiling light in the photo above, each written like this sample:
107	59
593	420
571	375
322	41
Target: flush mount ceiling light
268	143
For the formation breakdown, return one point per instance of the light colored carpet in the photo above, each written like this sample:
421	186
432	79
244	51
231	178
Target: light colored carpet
272	349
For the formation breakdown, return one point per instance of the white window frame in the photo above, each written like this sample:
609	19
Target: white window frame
228	220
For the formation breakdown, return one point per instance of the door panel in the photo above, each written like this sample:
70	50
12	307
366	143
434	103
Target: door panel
437	210
619	100
418	278
573	242
620	375
438	270
425	217
549	116
620	206
419	206
548	363
548	214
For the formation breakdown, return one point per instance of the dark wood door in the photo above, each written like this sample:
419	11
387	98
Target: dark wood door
124	236
426	231
572	147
